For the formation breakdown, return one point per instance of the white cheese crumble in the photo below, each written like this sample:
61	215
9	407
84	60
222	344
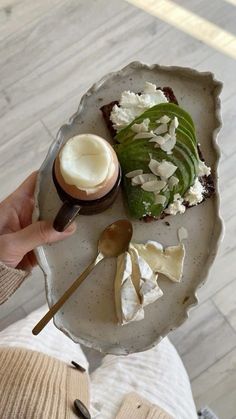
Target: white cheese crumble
146	205
195	193
203	169
132	105
176	207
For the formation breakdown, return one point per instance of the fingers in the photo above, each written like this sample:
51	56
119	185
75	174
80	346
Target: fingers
37	234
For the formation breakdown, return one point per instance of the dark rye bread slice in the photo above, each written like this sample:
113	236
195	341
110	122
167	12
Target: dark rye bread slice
207	181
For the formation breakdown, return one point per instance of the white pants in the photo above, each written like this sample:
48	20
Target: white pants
157	374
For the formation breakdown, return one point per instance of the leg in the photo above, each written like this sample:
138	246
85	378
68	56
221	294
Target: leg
157	374
50	341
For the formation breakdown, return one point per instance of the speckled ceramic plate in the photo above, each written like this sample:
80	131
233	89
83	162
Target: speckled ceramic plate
89	315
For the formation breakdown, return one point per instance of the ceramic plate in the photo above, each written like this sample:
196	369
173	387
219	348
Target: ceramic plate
89	315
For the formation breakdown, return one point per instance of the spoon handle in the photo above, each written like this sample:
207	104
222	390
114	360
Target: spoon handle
54	309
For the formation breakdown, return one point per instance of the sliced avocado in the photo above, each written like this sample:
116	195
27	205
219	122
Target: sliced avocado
135	154
155	113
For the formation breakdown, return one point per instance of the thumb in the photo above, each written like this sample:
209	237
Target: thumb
39	233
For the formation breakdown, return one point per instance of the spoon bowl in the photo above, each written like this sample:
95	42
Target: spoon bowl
115	239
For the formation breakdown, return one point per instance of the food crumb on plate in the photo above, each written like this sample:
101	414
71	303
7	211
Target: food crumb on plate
182	234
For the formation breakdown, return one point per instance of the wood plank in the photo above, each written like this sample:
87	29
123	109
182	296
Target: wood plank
191	24
229	242
49	85
218	63
186	52
218	12
31	287
221	274
27	150
16	14
225	301
203	339
215	387
3	104
53	37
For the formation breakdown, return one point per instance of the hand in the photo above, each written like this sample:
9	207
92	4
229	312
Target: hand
18	236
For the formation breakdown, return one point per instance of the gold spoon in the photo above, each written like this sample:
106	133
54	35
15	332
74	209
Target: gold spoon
113	241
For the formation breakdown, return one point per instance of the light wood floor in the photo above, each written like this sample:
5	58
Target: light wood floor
50	53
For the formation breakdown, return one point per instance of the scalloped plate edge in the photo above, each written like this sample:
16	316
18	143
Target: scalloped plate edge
219	227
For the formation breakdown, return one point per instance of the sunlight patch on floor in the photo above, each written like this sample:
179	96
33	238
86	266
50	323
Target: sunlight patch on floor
190	23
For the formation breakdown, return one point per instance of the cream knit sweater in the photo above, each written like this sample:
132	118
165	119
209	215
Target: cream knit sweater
36	386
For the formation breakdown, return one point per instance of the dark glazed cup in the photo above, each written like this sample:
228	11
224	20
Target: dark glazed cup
72	206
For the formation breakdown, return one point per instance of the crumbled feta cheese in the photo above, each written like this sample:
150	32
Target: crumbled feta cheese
146	205
203	169
149	87
121	117
195	193
176	206
142	127
132	105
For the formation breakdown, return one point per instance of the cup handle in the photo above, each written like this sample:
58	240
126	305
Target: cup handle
65	216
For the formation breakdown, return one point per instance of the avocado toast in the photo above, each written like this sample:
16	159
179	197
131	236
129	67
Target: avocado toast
162	164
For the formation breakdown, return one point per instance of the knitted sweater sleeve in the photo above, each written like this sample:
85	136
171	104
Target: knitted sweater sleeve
135	406
10	280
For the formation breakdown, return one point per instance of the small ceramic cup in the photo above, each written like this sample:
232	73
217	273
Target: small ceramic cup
72	206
